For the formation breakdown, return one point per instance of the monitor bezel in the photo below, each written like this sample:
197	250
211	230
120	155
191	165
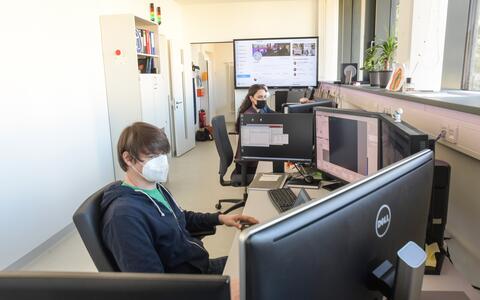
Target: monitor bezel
274	86
284	159
312	105
247	234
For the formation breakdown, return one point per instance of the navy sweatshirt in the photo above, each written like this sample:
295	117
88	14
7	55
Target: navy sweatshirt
144	236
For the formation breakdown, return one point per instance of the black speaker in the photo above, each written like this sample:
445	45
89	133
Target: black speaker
437	217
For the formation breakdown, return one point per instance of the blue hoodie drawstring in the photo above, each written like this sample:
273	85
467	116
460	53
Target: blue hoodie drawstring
153	201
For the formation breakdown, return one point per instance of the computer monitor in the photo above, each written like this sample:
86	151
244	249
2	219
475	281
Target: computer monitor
276	137
111	286
347	143
400	140
280	99
327	248
306	107
296	95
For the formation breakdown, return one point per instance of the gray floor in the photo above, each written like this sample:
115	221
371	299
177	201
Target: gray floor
194	182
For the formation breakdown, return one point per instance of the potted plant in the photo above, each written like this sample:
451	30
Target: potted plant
387	53
371	63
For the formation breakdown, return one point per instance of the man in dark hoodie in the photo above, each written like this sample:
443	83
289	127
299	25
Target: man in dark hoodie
143	227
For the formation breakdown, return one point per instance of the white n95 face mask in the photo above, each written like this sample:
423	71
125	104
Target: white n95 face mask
156	169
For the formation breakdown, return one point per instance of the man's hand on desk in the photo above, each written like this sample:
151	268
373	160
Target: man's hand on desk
304	100
236	220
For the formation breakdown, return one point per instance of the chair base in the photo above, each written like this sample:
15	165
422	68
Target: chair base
234	207
219	204
238	203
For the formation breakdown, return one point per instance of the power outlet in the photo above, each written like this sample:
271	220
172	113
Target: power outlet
452	134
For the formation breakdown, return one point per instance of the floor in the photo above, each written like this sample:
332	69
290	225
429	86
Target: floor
194	182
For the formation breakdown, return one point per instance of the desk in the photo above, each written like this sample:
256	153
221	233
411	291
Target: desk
259	206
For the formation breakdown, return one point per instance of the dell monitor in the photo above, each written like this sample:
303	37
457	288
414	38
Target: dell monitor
347	143
328	248
276	137
400	140
307	107
111	286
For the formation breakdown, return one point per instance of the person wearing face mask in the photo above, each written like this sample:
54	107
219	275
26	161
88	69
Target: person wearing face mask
142	226
255	102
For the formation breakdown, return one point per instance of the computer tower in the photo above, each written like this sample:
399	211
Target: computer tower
437	217
400	140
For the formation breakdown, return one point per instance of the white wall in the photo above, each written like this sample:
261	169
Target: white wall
54	125
421	41
328	18
172	15
220	22
54	130
222	101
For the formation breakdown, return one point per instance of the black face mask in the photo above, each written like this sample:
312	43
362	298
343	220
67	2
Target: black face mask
261	104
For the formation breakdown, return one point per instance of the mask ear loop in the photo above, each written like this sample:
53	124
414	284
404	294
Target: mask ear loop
135	169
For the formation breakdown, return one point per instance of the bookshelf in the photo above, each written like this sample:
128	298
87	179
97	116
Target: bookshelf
133	94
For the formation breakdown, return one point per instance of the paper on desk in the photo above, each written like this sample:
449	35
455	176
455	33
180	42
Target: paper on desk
431	259
269	177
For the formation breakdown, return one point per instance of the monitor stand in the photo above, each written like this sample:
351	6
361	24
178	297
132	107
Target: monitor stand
405	281
278	167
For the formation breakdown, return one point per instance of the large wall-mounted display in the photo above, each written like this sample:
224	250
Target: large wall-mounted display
276	62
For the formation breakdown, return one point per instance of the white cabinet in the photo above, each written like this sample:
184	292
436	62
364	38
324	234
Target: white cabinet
132	96
154	100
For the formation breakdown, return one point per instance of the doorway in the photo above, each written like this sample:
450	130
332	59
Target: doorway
216	81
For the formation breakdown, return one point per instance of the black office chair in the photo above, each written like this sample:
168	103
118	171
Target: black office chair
225	152
88	218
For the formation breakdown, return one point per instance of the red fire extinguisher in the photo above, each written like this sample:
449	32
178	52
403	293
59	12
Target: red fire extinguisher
202	117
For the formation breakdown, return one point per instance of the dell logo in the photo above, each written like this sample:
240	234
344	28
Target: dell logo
382	223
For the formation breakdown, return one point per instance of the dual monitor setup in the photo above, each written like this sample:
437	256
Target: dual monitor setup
360	242
347	145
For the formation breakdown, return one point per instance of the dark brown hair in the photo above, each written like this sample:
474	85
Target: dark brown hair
141	138
247	103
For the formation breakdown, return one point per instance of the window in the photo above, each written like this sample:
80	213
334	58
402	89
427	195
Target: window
472	59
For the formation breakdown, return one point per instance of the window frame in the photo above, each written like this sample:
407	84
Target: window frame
473	16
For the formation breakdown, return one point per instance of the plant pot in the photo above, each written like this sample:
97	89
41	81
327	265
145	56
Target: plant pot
384	78
374	78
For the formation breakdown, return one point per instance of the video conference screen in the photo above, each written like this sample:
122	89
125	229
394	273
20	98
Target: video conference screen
285	62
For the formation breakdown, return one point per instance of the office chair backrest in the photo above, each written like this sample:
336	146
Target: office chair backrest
88	220
222	142
112	286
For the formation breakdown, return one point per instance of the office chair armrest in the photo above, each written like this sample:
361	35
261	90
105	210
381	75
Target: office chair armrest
201	234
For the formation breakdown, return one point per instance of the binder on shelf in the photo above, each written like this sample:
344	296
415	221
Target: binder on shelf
138	40
147	42
152	41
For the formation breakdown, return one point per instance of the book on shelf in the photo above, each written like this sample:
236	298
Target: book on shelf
138	40
152	42
145	41
146	65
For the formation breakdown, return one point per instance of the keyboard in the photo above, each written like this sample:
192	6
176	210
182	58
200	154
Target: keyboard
282	199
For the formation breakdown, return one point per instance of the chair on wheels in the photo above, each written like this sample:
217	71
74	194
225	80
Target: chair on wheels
225	152
88	220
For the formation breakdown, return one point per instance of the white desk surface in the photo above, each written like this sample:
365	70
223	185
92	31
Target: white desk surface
259	206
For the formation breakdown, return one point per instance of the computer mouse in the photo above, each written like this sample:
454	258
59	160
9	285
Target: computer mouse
244	225
308	179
